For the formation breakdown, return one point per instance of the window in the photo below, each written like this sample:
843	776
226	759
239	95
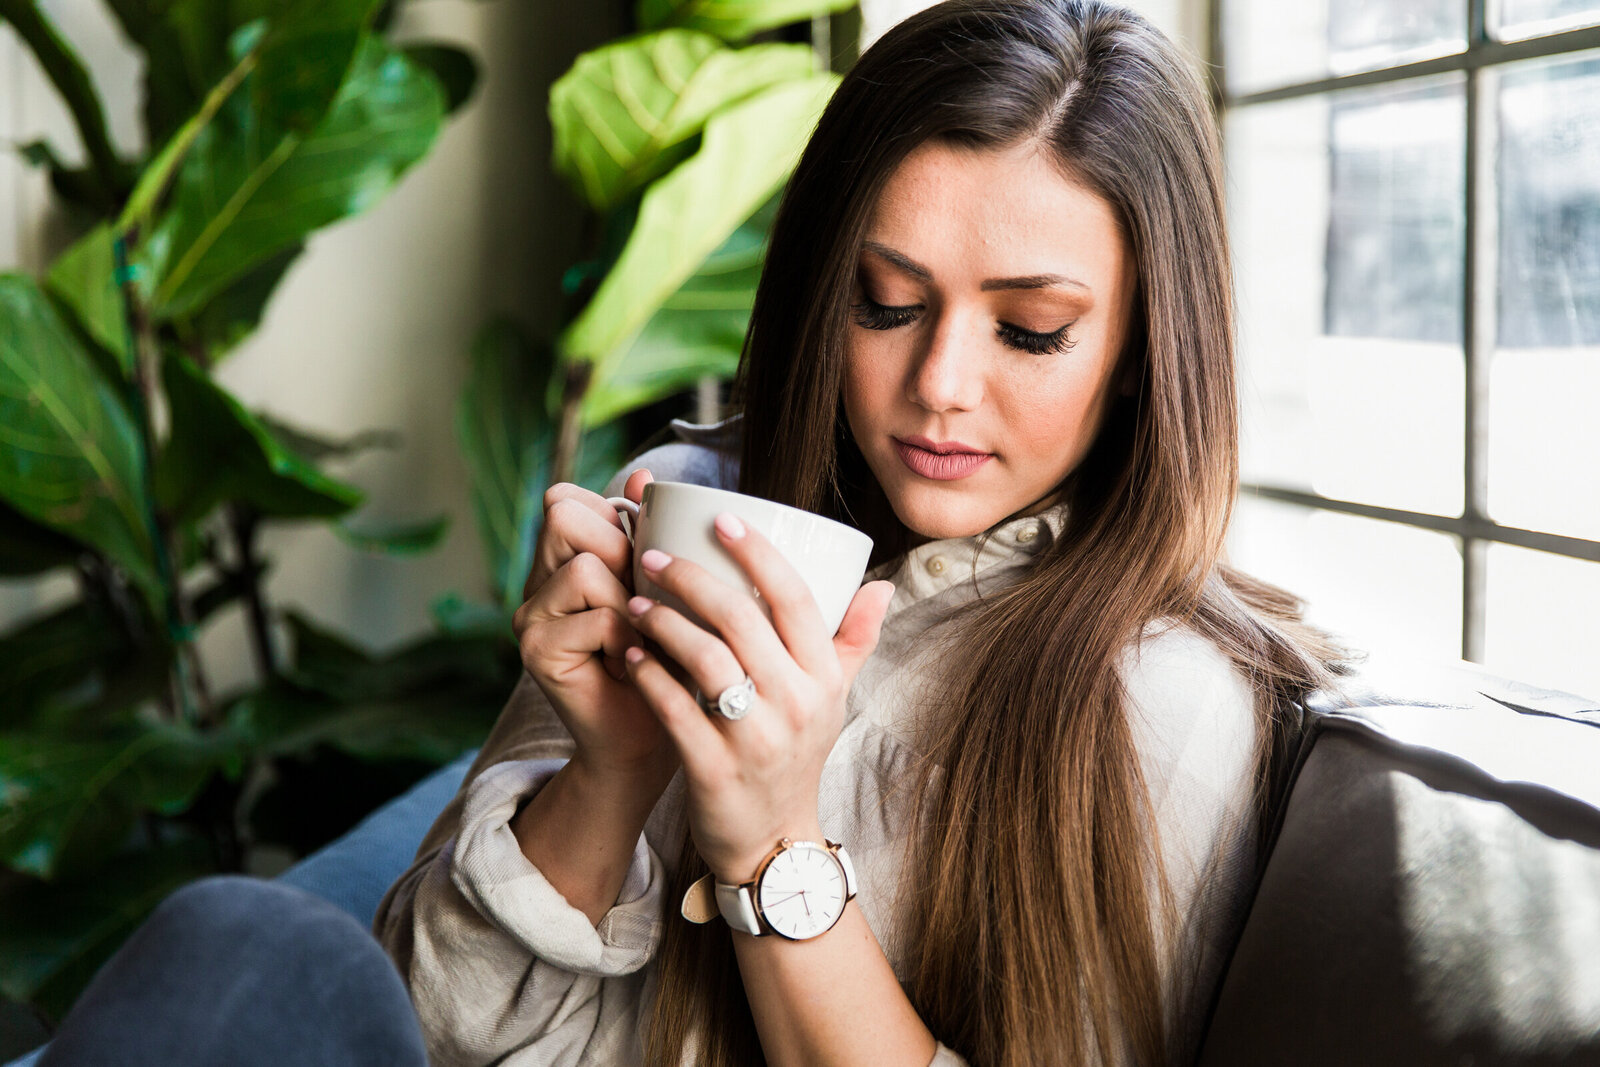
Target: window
1414	191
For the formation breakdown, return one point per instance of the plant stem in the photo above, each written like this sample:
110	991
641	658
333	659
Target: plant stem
563	465
187	676
71	80
159	175
242	523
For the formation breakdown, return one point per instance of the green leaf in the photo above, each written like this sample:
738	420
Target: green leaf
303	58
627	113
52	652
303	48
455	69
325	663
698	331
57	934
219	451
396	539
733	20
428	699
65	801
71	457
435	725
454	614
506	439
233	314
246	192
185	43
745	156
40	154
600	454
27	547
316	448
84	277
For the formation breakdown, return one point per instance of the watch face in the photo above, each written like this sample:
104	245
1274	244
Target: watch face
802	891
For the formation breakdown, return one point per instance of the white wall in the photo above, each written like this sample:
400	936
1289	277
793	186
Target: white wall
371	328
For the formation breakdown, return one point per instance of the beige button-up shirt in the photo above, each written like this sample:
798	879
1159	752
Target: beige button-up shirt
503	970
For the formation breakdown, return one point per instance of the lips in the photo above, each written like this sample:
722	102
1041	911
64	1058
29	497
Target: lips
940	460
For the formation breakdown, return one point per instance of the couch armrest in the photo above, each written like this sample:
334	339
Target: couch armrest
1431	897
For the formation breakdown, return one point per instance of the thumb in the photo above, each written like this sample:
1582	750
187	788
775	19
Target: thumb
863	622
633	488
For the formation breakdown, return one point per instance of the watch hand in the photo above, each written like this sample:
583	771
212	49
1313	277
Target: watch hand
803	901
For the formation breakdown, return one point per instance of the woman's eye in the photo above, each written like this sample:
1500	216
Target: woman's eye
875	316
1039	344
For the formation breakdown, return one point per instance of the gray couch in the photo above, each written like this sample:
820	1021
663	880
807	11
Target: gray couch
1430	893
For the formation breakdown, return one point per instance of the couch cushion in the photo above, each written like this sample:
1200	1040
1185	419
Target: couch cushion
1432	895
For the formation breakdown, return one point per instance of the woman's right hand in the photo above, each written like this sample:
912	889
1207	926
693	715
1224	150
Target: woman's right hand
574	613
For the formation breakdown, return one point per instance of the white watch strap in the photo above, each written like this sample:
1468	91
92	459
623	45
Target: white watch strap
738	909
849	871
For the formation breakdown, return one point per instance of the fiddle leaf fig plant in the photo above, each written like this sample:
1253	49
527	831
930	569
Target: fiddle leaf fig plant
676	139
127	465
732	20
123	772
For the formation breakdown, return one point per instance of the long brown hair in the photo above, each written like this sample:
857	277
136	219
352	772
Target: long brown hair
1036	937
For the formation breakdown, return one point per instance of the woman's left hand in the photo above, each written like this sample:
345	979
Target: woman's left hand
754	781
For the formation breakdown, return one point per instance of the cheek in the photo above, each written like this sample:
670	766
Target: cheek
1054	418
868	377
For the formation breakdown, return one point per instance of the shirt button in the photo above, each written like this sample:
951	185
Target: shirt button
936	566
1027	533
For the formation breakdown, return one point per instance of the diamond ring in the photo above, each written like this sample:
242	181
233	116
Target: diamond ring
733	702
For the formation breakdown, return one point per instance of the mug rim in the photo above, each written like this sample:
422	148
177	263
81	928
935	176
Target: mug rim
801	512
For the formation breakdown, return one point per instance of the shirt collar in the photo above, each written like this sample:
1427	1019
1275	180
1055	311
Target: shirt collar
939	565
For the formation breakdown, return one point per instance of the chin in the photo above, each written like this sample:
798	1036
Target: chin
928	516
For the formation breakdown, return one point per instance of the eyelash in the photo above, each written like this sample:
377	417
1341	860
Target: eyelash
875	316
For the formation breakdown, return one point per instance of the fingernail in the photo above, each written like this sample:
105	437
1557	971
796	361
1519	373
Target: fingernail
638	606
634	654
654	559
729	526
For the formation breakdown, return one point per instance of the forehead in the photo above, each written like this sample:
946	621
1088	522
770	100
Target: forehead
997	212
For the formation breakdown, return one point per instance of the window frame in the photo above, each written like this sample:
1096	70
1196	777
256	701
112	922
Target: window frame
1473	529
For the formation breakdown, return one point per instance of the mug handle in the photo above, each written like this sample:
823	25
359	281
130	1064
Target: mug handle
628	512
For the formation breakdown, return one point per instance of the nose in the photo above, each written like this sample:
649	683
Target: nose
946	374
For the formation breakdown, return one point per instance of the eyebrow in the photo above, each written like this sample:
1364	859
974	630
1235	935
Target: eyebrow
1027	281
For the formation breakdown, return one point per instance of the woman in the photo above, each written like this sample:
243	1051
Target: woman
994	332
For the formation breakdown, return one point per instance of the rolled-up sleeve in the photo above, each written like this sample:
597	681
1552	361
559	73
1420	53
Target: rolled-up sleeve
501	968
495	877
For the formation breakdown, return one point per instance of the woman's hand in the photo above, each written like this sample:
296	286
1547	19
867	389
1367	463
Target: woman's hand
576	607
754	781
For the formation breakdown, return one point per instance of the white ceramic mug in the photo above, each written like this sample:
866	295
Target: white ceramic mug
677	517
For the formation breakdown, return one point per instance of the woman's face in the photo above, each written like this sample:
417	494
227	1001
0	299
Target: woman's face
991	302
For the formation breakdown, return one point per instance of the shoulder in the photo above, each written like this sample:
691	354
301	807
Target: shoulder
1191	710
700	453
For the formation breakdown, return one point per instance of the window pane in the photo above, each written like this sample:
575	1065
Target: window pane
1544	440
1386	588
1348	226
1542	624
1270	43
1521	19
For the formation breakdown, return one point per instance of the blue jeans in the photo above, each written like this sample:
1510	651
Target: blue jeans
239	971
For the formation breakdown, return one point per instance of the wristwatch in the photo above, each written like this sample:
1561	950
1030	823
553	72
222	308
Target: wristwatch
798	893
